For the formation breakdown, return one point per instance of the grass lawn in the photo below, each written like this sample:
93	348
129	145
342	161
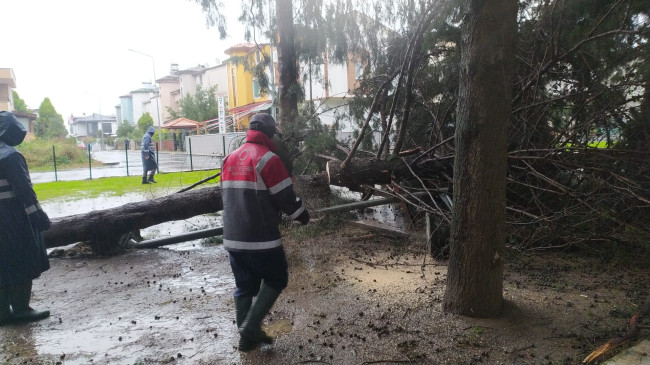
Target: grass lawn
116	186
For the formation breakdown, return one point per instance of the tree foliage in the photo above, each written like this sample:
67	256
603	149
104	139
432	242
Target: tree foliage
145	121
199	107
582	80
127	130
124	129
49	124
19	104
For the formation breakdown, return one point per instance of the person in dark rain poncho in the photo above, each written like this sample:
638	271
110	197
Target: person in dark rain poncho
148	156
22	220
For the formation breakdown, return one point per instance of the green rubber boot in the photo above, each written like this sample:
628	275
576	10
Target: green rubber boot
250	332
242	305
20	296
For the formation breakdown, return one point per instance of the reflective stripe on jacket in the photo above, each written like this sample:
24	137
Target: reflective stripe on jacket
256	187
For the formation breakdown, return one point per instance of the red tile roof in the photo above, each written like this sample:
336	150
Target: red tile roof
182	123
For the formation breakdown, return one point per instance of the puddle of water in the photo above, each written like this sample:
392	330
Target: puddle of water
174	228
278	328
56	208
207	284
128	342
388	216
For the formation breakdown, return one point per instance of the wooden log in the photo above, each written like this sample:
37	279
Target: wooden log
103	228
363	171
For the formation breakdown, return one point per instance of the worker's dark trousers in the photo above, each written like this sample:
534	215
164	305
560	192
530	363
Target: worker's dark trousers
250	268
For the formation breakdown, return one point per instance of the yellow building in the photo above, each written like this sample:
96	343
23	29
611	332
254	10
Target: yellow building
244	94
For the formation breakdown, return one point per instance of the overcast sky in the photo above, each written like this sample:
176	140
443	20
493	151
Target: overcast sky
76	51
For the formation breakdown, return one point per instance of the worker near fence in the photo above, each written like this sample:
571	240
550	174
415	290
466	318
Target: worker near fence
256	187
149	165
23	257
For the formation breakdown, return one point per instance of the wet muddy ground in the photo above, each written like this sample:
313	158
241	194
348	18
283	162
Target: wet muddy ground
353	298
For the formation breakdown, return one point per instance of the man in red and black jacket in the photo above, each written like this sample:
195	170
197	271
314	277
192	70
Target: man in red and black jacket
256	187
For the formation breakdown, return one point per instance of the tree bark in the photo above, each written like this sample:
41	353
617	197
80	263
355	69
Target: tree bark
475	274
103	228
287	65
363	171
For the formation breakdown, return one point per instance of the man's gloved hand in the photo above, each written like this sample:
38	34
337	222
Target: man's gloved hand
40	220
303	217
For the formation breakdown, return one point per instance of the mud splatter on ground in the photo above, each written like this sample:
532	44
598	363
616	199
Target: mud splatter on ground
353	298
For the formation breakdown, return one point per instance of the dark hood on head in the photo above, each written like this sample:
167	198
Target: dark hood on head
12	132
151	130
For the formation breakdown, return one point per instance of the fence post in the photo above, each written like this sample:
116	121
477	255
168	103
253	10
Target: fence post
90	166
126	152
189	141
54	158
157	156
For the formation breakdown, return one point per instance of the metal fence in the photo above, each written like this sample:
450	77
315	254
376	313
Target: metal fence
203	152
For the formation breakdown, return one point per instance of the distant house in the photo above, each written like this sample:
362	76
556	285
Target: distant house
170	95
26	119
137	102
181	83
89	125
7	84
145	100
125	111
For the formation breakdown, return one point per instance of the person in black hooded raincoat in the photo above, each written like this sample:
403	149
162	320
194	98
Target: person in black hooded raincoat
22	220
148	156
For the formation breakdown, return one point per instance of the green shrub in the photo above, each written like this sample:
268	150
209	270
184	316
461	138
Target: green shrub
38	152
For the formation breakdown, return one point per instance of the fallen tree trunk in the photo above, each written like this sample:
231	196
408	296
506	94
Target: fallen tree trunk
103	228
364	172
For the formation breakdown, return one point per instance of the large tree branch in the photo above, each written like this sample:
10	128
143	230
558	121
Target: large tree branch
103	228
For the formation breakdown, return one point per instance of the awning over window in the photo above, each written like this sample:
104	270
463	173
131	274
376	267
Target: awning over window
250	108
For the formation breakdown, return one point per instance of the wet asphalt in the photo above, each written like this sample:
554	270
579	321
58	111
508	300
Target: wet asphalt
122	163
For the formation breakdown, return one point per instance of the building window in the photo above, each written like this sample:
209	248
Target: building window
256	89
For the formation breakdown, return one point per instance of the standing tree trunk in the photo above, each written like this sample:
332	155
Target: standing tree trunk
289	88
475	275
